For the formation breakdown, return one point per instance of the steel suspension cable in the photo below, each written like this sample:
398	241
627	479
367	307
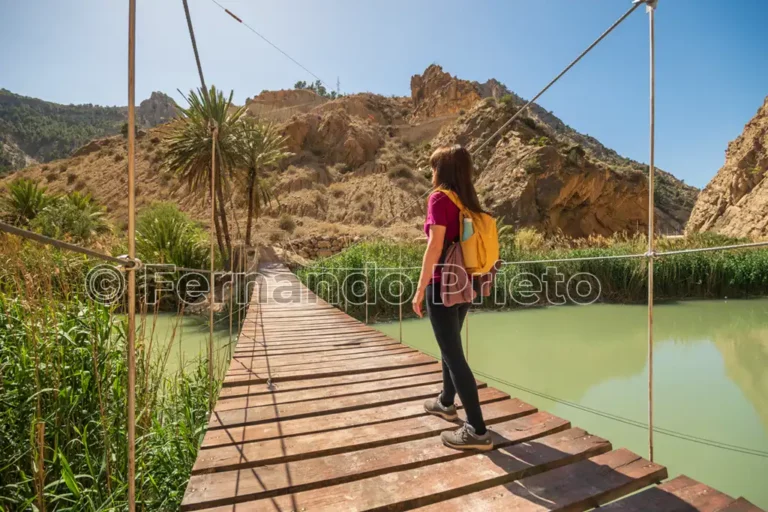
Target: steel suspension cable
194	48
559	76
37	237
273	45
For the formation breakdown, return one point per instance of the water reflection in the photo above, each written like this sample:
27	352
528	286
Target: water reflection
710	379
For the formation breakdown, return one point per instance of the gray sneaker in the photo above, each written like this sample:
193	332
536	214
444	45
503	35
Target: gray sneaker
436	407
465	439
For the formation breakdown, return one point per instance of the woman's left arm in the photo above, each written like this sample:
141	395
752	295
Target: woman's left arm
428	262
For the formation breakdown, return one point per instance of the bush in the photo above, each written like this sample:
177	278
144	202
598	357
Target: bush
74	216
24	201
507	99
529	122
165	234
528	240
400	171
286	223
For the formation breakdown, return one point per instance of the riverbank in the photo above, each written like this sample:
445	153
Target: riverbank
381	268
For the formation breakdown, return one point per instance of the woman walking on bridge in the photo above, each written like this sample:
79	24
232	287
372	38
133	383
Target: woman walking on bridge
451	171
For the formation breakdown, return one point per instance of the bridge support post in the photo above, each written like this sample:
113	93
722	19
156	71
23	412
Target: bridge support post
650	9
131	335
366	294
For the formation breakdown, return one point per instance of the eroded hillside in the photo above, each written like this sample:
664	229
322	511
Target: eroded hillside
360	163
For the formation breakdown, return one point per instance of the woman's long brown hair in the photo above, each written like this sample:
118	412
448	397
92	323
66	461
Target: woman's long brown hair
452	166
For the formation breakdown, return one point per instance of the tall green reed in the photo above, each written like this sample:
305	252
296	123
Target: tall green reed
63	391
738	273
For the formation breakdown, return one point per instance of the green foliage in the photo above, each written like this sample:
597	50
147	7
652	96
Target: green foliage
528	240
73	217
261	148
318	88
47	131
507	99
189	150
532	163
62	366
124	130
540	141
733	274
189	143
24	201
165	234
529	122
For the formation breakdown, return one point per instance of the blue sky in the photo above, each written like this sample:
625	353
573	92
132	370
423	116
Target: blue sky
712	58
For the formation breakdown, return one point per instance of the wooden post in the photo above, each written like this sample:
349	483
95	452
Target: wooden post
400	301
650	8
211	370
131	341
366	293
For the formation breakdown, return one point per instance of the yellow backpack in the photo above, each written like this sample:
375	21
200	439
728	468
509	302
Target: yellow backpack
481	249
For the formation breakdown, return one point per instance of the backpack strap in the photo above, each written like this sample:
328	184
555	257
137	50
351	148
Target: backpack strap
455	200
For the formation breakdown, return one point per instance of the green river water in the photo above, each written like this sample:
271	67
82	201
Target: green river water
589	364
186	339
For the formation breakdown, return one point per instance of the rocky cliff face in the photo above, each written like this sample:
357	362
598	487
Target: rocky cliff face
159	108
539	173
361	163
436	93
532	179
735	202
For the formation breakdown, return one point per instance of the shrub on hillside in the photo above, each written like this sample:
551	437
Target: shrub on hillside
70	219
507	99
400	171
23	201
286	223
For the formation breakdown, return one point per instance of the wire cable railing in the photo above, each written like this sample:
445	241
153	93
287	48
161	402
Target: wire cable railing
131	264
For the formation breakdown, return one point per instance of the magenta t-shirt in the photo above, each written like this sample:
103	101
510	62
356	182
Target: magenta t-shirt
442	212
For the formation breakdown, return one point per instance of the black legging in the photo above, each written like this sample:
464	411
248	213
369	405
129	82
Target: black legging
457	376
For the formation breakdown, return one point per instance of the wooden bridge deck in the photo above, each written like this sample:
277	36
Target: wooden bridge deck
344	429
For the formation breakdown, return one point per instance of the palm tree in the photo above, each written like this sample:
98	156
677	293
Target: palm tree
25	200
189	151
261	148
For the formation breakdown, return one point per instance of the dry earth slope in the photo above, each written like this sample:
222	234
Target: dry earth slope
360	162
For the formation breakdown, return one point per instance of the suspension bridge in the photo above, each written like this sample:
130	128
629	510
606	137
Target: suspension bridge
319	411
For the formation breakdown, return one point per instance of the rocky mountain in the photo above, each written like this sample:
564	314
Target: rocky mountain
539	173
735	202
33	130
361	163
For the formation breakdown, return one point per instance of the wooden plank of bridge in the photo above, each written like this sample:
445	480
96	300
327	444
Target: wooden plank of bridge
321	412
681	494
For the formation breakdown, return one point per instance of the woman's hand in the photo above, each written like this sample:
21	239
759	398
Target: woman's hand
418	299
